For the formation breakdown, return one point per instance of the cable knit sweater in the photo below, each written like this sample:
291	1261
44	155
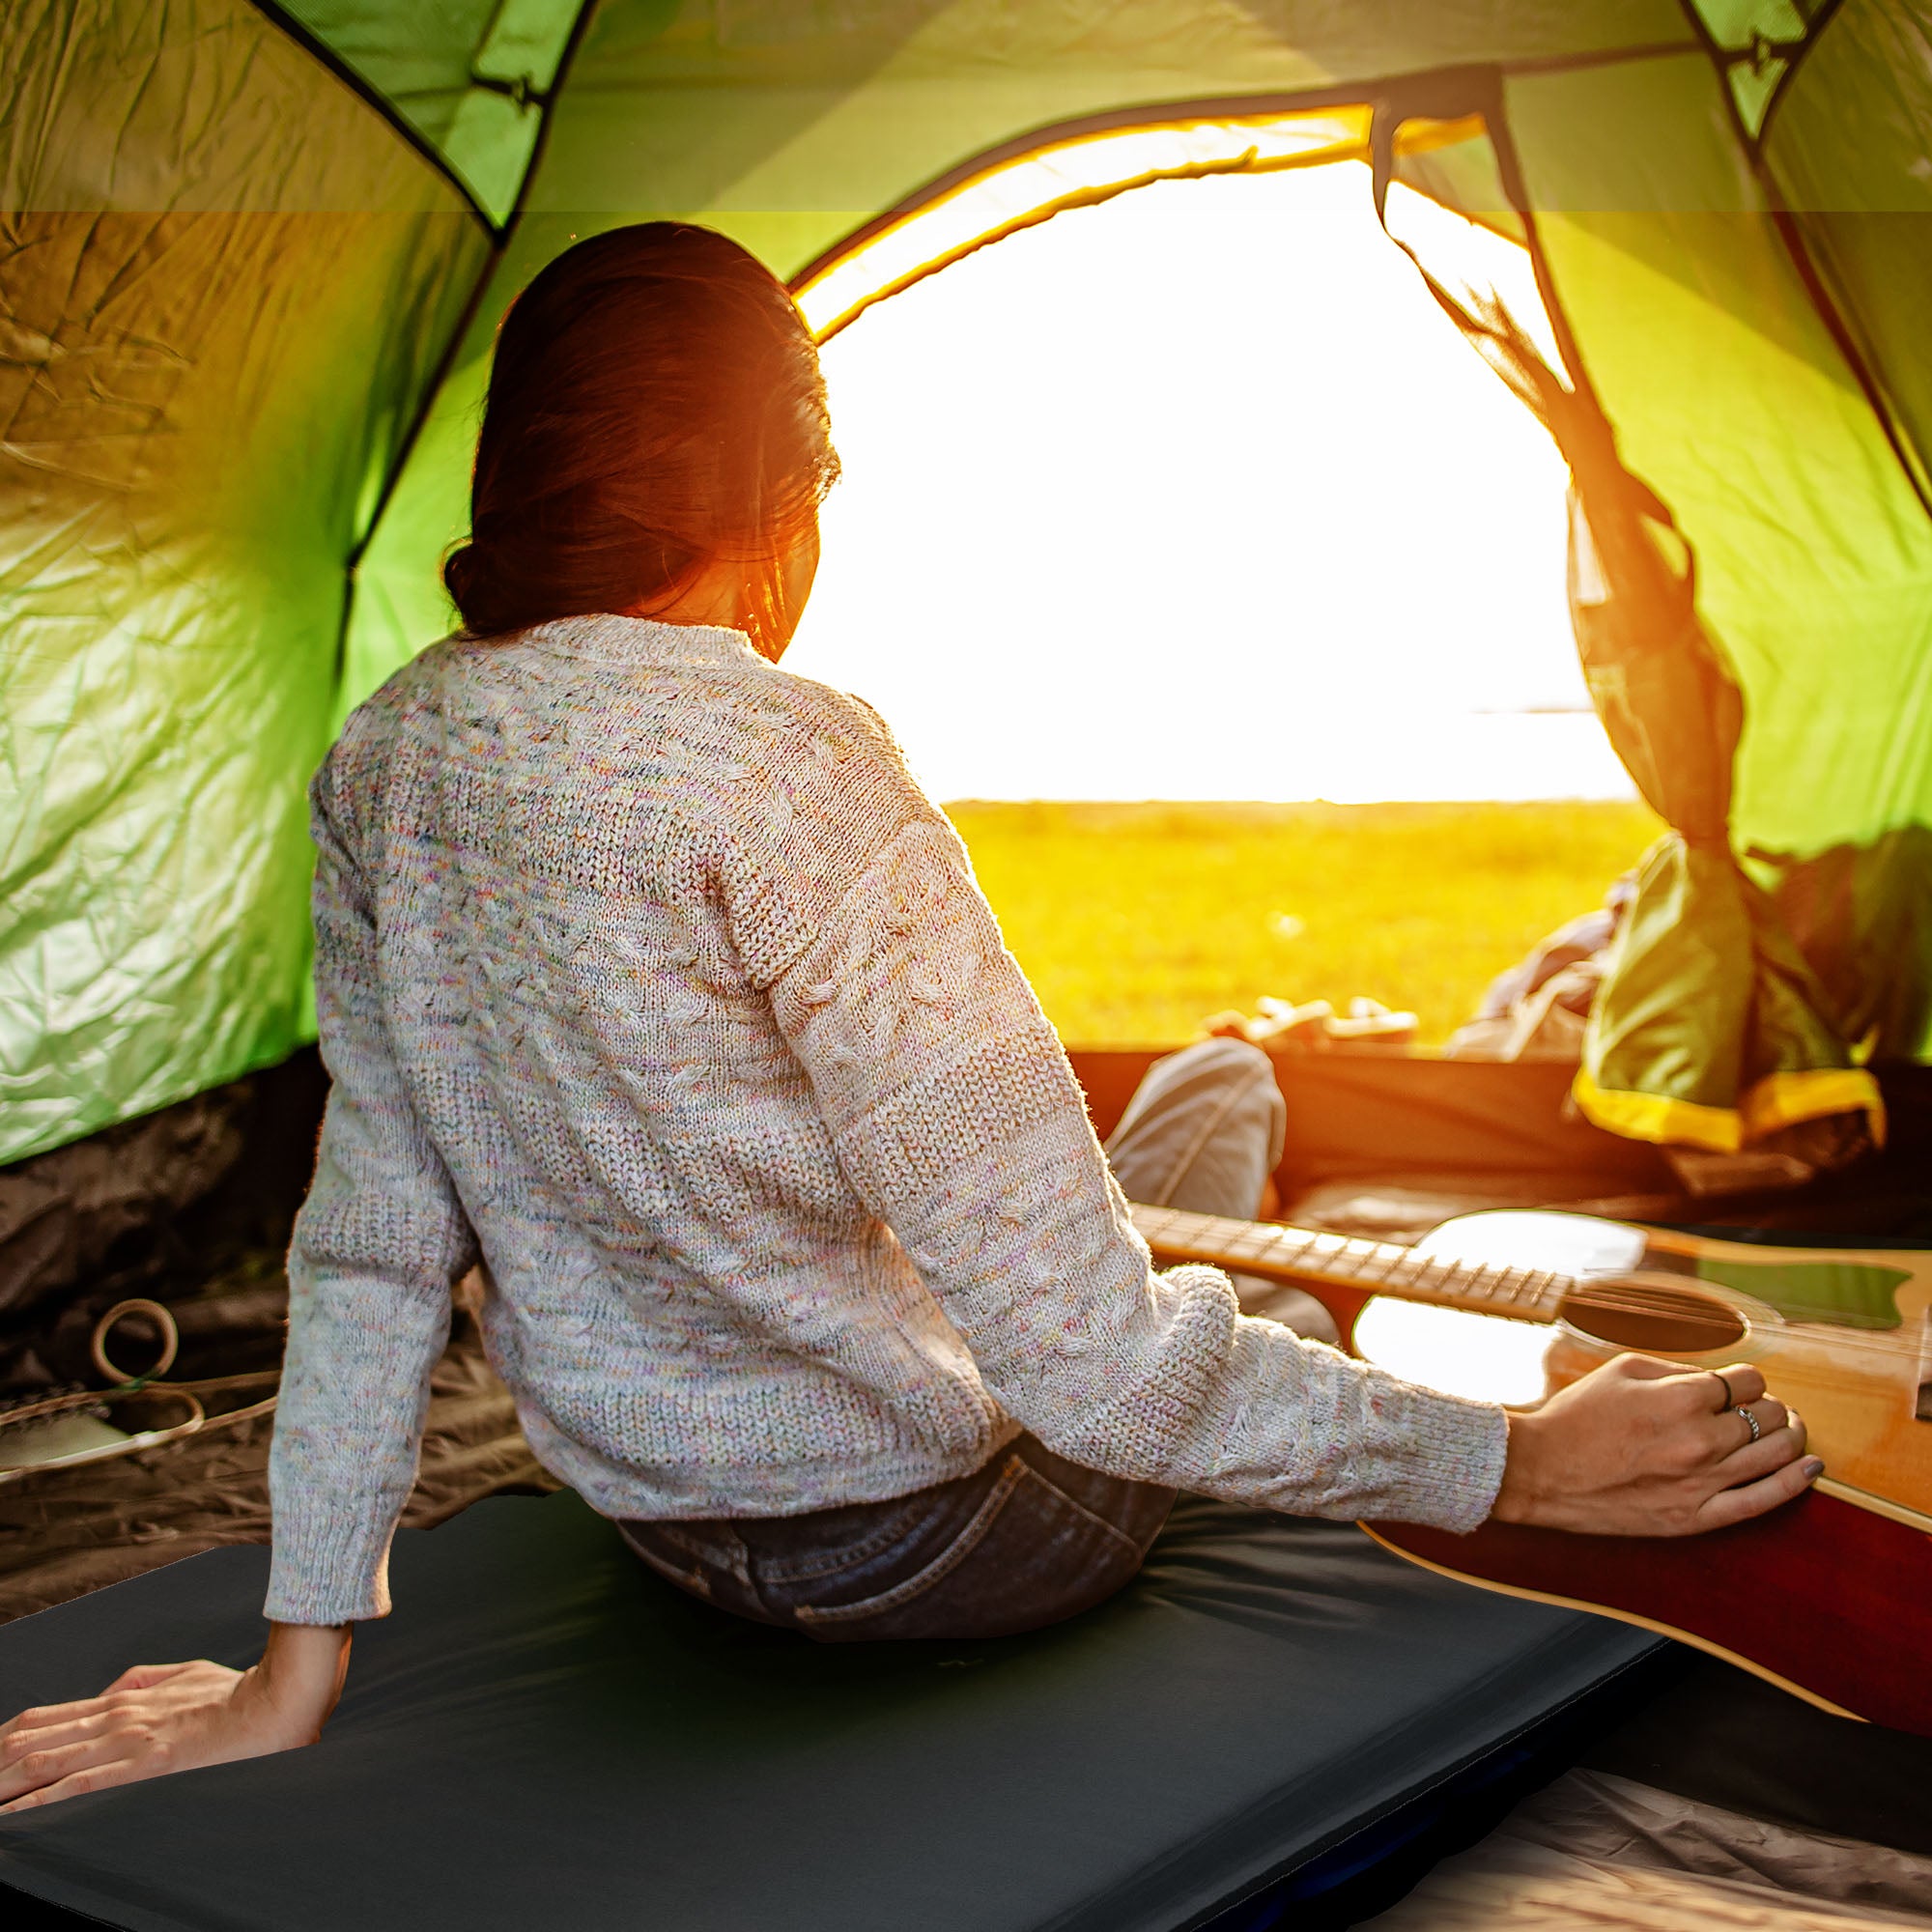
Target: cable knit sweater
649	979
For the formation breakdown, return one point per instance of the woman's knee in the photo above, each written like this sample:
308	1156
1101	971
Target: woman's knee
1203	1130
1219	1058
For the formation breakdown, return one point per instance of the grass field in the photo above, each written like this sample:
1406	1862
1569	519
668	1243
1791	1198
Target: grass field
1135	922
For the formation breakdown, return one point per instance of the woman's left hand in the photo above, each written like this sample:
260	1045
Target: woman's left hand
174	1716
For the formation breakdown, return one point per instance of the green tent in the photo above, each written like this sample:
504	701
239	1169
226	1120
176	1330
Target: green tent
254	257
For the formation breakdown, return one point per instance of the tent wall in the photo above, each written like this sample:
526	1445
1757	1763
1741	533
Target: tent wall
789	134
470	77
224	283
1732	399
242	375
1859	185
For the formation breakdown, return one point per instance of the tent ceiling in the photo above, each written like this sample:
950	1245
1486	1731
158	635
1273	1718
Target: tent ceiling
470	76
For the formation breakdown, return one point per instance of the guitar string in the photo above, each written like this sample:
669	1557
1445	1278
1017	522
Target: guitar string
1366	1263
1259	1249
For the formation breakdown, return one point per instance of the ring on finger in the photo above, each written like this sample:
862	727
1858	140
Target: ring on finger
1730	1400
1751	1421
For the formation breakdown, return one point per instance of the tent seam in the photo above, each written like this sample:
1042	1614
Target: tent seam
1814	29
372	97
1784	220
499	245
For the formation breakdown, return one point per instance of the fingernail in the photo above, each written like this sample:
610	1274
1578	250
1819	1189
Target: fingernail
1813	1468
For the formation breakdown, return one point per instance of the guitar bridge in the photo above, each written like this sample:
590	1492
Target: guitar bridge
1922	1408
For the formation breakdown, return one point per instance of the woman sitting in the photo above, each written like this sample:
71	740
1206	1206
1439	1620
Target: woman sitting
652	985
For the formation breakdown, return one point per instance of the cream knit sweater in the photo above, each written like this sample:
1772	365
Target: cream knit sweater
649	978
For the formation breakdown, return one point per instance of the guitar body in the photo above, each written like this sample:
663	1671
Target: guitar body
1830	1596
1828	1600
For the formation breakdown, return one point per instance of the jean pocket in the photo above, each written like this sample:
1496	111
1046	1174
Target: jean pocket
821	1560
1029	1555
707	1563
829	1617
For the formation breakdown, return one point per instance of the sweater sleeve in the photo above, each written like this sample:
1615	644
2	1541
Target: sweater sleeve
378	1242
957	1118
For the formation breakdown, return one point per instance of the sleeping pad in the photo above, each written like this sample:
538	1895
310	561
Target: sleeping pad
546	1734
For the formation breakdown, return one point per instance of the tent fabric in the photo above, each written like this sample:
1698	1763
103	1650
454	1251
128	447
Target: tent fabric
1708	1028
471	77
1831	770
1860	190
225	288
545	1728
1598	1849
254	258
1727	1739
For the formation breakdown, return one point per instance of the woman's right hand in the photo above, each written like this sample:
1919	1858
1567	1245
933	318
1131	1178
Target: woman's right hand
174	1716
1639	1448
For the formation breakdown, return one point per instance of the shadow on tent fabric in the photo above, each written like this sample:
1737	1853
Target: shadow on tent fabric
1862	917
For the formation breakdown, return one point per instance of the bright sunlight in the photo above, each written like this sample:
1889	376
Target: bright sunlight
1197	495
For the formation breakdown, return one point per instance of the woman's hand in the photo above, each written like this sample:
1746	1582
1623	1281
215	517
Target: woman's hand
173	1717
1638	1448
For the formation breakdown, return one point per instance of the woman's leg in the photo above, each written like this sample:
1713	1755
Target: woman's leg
1203	1132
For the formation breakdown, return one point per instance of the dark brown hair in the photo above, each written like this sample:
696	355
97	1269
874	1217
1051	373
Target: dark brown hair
656	404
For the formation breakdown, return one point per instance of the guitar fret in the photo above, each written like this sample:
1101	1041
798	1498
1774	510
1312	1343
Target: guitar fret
1530	1292
1510	1285
1383	1262
1544	1288
1432	1264
1354	1259
1515	1286
1472	1284
1555	1288
1370	1265
1407	1271
1525	1291
1290	1254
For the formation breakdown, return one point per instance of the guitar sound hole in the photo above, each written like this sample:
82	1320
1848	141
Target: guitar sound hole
1657	1321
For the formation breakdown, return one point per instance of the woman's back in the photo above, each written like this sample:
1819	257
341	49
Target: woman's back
576	862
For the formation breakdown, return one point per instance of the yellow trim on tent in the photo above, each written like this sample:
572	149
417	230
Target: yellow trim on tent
1656	1117
1779	1099
1082	171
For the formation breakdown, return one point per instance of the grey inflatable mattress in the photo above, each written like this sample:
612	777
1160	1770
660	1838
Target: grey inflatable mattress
545	1734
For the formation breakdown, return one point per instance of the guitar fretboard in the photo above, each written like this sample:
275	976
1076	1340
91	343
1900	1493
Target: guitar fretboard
1375	1267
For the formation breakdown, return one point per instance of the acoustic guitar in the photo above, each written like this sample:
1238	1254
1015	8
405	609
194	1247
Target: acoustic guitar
1830	1596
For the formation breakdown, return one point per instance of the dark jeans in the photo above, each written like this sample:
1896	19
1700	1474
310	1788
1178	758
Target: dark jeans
1029	1537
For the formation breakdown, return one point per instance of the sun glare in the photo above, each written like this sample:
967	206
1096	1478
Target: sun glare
1195	494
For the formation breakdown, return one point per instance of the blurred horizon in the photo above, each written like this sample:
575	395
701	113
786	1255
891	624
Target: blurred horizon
1198	496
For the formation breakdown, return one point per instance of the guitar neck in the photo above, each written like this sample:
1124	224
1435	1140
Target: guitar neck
1335	1261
